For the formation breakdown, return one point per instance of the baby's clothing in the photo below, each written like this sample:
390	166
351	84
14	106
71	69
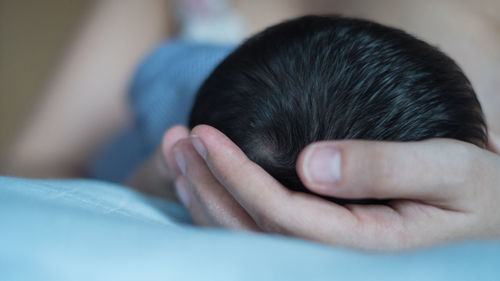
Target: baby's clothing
161	95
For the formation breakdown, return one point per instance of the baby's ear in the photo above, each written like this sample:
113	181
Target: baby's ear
170	138
493	143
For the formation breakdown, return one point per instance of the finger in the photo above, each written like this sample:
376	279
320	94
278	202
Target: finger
170	138
198	214
216	201
273	207
434	170
399	225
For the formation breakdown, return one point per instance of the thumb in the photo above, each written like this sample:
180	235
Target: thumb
434	169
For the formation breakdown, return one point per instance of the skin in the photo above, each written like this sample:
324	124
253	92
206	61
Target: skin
440	190
78	111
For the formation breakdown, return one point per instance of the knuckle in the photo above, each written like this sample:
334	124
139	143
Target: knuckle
263	221
266	223
386	175
381	171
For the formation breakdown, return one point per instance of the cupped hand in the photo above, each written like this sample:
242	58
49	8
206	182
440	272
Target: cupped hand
437	190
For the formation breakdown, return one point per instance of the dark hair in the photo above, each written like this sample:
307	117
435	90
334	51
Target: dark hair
329	77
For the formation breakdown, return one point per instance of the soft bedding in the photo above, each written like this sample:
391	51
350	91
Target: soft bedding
92	230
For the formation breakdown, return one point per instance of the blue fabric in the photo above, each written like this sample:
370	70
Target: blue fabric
90	230
161	95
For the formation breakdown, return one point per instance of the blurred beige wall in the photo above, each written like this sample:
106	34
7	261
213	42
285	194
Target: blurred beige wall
32	35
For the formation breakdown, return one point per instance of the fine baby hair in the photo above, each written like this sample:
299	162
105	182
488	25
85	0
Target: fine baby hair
330	77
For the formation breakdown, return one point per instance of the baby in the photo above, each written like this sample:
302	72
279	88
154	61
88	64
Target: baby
329	77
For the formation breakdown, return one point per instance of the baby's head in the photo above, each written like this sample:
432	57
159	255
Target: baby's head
328	77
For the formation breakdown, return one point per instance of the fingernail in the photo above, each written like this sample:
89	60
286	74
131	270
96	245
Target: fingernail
181	190
179	159
322	165
199	146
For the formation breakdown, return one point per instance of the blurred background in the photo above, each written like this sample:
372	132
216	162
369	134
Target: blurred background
65	65
32	36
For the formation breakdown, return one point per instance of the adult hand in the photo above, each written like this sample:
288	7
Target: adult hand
438	190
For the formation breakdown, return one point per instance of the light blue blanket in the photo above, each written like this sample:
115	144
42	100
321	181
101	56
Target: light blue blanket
90	230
